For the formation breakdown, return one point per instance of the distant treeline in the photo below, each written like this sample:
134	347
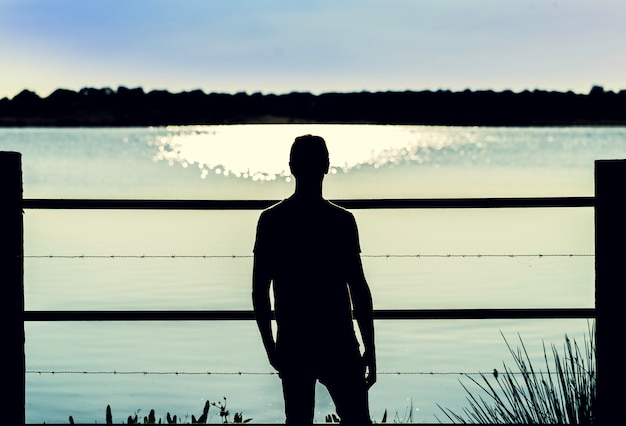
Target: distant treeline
135	107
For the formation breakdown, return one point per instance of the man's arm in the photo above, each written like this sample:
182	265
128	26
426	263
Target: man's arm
364	315
261	281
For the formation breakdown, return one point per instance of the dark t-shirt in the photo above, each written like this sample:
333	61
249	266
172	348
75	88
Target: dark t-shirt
307	248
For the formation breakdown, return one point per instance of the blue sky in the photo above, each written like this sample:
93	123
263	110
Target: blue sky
279	46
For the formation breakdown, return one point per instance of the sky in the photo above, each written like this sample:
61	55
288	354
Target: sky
282	46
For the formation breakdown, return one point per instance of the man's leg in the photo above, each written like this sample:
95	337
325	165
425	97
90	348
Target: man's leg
351	402
345	381
299	394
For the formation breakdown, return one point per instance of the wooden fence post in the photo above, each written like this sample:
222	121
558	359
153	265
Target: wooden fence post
610	238
12	278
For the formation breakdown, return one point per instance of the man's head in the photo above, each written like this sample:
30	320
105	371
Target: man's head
309	157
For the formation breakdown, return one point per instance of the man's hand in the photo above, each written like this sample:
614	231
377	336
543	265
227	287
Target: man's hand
369	360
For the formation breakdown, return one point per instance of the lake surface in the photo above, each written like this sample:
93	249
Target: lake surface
413	259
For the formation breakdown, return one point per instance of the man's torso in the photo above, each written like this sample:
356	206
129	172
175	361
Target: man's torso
309	248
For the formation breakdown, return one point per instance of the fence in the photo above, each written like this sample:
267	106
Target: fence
609	205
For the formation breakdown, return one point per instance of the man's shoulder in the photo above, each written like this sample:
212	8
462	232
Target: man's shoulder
274	210
337	209
339	213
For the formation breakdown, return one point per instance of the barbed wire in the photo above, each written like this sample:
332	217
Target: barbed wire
371	256
268	373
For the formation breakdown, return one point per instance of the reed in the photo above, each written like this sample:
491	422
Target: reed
565	393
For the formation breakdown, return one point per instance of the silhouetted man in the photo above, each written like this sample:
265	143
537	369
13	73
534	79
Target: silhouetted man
308	248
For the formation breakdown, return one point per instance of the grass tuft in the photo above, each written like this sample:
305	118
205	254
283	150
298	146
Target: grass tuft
565	393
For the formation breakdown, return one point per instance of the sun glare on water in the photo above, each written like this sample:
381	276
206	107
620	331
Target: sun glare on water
261	152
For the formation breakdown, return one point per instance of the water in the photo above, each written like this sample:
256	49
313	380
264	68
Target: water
249	162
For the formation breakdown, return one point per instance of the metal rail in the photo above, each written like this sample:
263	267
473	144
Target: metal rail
396	203
247	315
